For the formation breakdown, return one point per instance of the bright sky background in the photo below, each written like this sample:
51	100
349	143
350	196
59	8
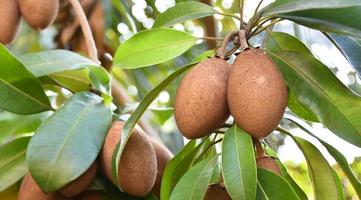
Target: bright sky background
323	49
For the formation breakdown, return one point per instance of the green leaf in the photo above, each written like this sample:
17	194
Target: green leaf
177	166
340	159
339	16
21	92
317	88
238	164
73	80
54	61
350	47
151	47
193	185
183	12
321	175
12	162
339	185
69	141
273	187
13	126
131	122
299	109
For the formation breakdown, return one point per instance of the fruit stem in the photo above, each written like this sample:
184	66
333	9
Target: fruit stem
243	40
259	148
221	51
88	35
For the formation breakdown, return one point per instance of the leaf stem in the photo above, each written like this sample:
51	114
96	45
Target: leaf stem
229	15
261	28
88	35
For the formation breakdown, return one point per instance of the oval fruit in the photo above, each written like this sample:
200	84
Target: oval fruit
29	189
257	93
138	163
81	183
39	14
201	99
216	192
9	20
163	156
266	162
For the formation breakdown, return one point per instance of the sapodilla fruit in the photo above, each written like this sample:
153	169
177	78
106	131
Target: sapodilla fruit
216	192
266	162
9	20
163	156
39	14
81	183
138	163
29	190
201	99
257	93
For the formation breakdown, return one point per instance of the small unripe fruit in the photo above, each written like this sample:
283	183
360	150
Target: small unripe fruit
138	162
39	14
9	20
29	190
81	183
163	156
201	99
216	192
257	93
268	163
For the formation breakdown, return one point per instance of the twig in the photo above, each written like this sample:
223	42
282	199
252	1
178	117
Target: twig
211	38
241	6
88	35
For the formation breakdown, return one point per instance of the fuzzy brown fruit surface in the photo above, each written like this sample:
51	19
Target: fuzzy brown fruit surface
216	192
9	20
39	14
81	183
163	156
29	190
257	93
138	163
266	162
201	99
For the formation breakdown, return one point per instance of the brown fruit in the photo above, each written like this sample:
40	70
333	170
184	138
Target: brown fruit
29	190
138	163
201	99
216	192
257	93
9	20
81	183
39	14
268	163
163	156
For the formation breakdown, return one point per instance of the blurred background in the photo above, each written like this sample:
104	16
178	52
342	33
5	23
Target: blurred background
114	21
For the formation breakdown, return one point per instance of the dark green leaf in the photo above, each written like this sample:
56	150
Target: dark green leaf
341	160
54	61
238	164
131	122
21	92
183	12
341	195
193	185
69	141
273	187
12	162
350	47
317	88
151	47
340	16
300	109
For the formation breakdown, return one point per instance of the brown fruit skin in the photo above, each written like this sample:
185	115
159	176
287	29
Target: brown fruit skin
39	14
163	156
81	183
138	163
9	20
216	192
257	93
29	190
201	99
266	162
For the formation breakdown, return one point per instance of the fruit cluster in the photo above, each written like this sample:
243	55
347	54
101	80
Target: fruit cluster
39	14
141	168
251	90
